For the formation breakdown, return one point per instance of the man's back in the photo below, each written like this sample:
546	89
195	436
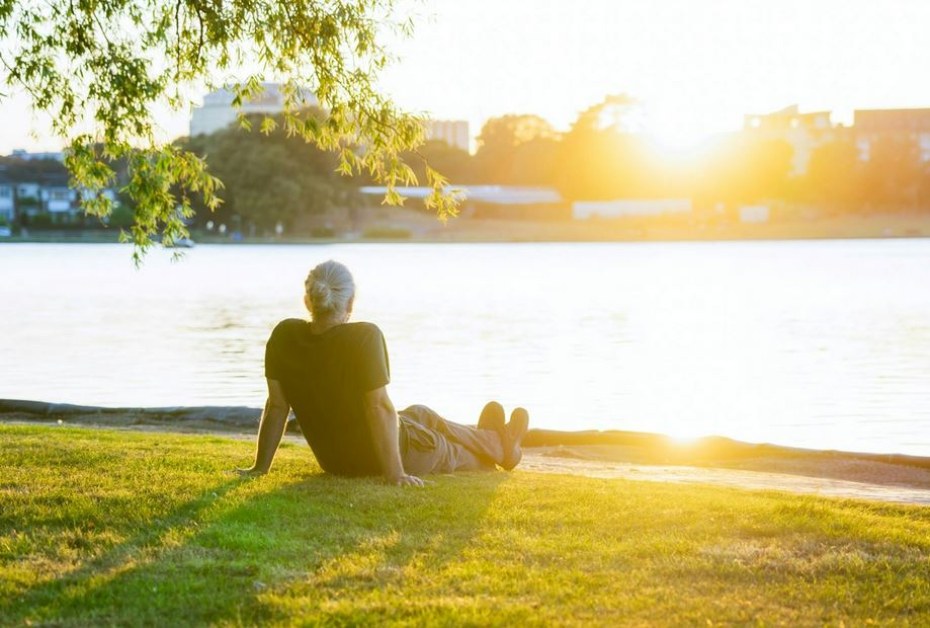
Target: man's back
324	377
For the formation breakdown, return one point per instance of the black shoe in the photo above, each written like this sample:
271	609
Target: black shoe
512	436
492	417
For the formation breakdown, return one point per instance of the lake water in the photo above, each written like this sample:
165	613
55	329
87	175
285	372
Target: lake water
811	343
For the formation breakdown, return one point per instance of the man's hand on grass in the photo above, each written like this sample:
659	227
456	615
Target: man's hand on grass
407	480
251	472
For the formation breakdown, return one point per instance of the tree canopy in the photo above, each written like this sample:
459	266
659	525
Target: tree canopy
269	179
601	157
99	67
517	149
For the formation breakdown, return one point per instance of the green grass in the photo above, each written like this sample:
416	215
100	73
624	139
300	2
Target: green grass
108	527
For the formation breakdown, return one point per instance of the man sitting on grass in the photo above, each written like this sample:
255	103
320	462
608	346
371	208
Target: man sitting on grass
334	374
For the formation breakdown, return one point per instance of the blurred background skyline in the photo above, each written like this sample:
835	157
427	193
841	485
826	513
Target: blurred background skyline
695	68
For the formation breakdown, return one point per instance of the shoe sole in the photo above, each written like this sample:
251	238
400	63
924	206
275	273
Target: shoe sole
512	436
492	417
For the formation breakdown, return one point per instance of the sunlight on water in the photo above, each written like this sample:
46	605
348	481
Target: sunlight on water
819	344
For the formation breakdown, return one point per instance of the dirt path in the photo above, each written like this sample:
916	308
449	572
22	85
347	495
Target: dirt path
914	490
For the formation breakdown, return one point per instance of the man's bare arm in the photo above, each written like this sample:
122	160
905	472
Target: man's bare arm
381	417
274	420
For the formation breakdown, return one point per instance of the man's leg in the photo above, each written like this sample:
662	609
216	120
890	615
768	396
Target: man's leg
426	450
484	444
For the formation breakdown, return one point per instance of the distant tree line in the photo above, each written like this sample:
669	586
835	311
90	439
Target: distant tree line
601	158
272	179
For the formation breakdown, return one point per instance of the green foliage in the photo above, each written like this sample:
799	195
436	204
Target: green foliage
104	527
41	221
105	65
455	164
270	177
121	217
27	202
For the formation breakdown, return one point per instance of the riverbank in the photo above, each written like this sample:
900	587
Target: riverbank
120	527
395	224
605	454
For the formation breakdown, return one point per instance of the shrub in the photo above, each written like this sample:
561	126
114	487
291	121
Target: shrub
41	221
323	232
386	233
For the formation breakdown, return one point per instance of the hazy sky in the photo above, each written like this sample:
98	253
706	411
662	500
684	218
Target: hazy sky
696	65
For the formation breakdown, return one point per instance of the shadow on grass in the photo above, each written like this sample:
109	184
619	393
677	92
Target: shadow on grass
316	538
52	593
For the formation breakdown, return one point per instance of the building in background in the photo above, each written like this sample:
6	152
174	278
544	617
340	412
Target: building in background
872	125
452	132
500	202
806	131
37	191
218	112
25	155
803	131
47	195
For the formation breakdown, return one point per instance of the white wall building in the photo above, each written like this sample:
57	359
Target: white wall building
582	210
754	213
59	199
31	191
217	111
452	132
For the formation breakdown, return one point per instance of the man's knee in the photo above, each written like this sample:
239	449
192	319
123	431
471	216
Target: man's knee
421	414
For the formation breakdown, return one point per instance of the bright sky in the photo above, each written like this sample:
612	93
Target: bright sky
696	65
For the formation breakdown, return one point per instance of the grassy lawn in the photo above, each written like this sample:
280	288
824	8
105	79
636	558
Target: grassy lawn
101	527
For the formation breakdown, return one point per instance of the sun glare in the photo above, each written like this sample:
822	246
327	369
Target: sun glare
675	144
683	441
675	140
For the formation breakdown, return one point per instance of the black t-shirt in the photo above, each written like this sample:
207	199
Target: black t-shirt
324	377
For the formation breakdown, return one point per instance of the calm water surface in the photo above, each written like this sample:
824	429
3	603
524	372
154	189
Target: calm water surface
815	344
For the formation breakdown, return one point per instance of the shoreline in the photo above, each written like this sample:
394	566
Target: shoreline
404	225
637	456
459	238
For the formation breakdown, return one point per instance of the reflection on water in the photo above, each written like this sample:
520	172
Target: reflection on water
822	344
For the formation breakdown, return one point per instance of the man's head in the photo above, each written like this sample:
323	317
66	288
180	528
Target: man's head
330	291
